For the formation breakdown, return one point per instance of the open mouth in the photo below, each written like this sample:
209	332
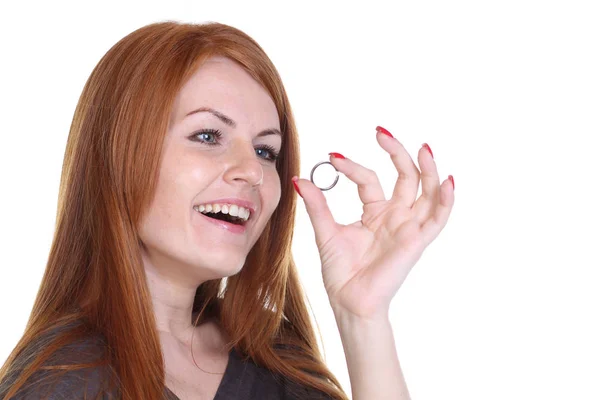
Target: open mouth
223	213
225	217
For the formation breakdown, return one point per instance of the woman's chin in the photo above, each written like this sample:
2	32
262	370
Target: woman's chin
219	267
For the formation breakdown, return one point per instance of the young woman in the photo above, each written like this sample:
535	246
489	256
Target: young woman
170	273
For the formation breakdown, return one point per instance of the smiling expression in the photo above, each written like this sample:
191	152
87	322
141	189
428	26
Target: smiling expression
223	137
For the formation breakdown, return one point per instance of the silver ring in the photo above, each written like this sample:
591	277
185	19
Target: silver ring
336	177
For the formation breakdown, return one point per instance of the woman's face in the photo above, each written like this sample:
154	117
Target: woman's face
200	168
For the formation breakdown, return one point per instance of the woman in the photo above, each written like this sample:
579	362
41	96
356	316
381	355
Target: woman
180	170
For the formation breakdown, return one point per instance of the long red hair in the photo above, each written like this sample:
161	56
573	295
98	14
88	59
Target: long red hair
94	280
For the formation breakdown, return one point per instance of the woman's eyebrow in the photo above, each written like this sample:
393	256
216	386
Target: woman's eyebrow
228	121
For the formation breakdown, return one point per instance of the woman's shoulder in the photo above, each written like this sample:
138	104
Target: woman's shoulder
72	371
87	383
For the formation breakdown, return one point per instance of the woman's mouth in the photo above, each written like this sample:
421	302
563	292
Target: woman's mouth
229	213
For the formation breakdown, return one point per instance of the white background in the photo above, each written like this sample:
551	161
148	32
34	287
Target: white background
505	303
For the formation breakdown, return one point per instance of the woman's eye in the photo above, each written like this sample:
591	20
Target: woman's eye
211	137
270	151
205	135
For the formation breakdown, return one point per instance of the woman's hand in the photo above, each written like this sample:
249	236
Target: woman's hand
365	263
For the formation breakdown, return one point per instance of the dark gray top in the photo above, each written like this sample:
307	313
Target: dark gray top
245	380
242	380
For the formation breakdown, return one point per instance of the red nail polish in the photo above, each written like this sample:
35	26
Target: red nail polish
428	149
383	130
294	179
451	180
337	155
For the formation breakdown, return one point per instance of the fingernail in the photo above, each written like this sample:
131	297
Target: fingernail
428	149
337	155
451	180
383	130
294	180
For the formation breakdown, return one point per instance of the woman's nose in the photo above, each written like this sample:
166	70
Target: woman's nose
244	164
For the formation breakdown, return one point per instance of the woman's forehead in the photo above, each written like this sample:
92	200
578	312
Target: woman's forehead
223	85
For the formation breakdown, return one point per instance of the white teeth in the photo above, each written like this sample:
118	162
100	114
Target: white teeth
231	209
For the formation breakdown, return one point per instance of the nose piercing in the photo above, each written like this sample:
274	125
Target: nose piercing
262	174
336	177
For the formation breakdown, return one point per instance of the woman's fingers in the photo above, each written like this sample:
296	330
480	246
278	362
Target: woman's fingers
405	190
369	187
441	212
318	211
430	185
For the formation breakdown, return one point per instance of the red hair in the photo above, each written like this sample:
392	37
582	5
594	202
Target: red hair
94	282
